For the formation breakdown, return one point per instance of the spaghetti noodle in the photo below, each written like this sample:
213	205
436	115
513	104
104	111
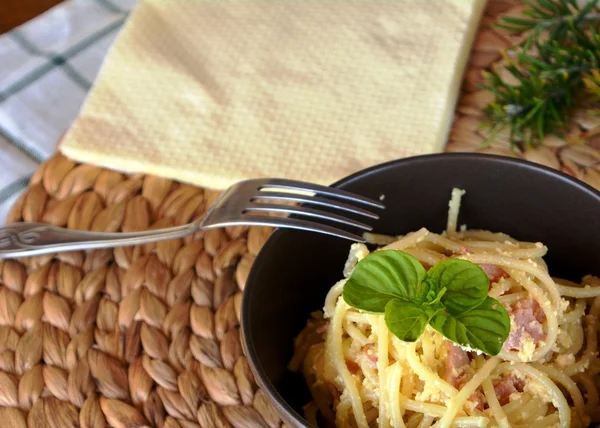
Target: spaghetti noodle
547	373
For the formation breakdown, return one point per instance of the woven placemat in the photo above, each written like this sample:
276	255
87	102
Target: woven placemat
149	335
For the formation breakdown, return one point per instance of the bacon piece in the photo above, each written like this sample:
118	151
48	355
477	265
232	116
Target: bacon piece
333	392
456	374
531	306
478	398
369	352
353	367
527	317
507	385
322	328
493	272
456	362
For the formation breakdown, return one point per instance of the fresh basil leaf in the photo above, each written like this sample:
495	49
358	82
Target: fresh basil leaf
437	300
365	298
428	290
485	327
466	283
382	276
407	320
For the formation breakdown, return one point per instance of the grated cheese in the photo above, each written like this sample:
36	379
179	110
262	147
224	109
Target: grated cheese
527	350
565	360
538	390
431	394
358	252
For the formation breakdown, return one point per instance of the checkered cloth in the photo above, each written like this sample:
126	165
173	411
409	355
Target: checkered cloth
47	67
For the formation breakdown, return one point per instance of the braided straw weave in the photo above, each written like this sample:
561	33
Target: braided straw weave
149	335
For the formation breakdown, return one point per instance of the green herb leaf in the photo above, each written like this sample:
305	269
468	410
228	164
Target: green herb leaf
466	283
381	277
558	51
407	320
452	297
437	300
428	290
485	327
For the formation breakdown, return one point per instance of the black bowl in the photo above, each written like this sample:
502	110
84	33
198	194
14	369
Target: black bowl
294	270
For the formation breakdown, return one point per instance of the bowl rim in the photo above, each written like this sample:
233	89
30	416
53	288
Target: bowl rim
284	409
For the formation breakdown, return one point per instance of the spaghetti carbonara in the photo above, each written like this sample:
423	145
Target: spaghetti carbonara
547	373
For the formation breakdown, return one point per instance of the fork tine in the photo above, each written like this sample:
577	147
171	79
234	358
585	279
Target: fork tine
292	223
314	200
309	212
279	183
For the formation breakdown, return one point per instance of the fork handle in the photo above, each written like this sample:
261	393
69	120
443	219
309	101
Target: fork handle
32	239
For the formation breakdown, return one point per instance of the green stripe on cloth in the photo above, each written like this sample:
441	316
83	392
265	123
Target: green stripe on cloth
75	49
56	59
75	76
110	6
30	152
37	73
26	80
25	44
13	188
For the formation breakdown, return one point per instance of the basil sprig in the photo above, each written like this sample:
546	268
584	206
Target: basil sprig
452	297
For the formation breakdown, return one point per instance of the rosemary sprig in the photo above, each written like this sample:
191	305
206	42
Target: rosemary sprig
554	64
592	83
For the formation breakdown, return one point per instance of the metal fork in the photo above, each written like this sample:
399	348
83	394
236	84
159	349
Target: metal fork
238	205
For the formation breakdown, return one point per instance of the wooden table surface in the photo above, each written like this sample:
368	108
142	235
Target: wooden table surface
15	12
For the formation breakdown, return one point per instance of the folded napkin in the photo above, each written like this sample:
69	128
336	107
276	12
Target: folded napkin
211	92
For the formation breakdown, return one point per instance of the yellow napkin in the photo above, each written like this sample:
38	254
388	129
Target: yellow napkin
211	92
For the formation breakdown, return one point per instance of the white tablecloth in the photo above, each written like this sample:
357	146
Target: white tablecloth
47	65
